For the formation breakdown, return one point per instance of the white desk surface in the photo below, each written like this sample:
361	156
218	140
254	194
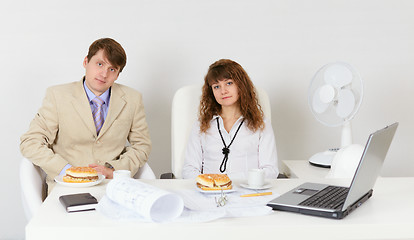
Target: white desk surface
303	169
387	215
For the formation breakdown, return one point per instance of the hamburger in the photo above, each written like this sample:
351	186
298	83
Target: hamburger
80	175
214	182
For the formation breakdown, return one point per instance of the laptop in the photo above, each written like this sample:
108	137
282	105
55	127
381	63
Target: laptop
335	201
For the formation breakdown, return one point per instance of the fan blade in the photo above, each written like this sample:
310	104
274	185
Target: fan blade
338	75
346	103
326	93
317	105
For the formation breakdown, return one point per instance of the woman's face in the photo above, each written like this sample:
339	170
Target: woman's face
225	92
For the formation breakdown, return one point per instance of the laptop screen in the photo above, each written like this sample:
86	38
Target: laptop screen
371	163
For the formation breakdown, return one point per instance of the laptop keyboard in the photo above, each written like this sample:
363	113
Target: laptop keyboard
331	197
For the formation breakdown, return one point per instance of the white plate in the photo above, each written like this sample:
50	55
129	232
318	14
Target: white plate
215	191
265	186
59	179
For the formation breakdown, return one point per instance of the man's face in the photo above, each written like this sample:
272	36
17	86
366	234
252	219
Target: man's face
99	74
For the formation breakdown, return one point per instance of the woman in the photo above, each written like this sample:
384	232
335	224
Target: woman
231	135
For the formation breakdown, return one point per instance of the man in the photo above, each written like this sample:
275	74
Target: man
90	122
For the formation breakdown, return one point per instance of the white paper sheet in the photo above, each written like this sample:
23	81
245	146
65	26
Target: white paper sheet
202	207
129	198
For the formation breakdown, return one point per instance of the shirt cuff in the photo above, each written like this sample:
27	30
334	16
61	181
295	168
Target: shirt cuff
63	172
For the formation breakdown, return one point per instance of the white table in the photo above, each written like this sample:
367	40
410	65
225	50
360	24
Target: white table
303	169
387	215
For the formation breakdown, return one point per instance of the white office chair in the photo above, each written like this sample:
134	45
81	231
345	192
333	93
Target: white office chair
32	180
346	162
184	113
145	173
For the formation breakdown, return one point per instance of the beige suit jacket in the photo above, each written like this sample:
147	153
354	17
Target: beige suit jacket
63	131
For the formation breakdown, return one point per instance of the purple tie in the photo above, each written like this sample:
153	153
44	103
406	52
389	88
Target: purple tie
98	114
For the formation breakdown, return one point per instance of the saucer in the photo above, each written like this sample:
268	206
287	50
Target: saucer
265	186
216	191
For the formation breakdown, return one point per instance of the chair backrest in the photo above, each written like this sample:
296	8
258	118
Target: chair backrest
32	180
145	172
184	113
346	161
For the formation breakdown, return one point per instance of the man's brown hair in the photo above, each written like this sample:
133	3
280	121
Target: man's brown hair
113	51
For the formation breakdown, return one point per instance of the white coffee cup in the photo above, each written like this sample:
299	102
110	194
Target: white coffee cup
122	174
256	178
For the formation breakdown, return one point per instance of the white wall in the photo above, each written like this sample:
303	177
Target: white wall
171	43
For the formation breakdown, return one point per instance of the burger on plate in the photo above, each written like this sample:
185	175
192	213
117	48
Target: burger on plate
80	175
214	182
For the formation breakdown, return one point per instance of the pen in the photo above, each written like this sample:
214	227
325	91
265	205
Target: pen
256	194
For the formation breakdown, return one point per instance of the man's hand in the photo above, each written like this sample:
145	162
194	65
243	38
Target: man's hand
107	172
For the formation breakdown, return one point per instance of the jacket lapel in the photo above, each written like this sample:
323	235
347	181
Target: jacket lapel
82	107
116	104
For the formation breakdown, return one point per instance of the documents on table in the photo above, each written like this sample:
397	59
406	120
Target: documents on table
130	199
151	203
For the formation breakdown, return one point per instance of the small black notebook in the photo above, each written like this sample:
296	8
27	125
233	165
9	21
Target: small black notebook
78	202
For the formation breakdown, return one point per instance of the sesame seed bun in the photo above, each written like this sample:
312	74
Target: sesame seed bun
80	175
214	182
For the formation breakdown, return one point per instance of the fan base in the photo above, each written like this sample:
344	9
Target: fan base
323	159
319	165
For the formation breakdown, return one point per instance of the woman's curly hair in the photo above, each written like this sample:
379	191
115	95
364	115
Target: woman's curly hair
249	104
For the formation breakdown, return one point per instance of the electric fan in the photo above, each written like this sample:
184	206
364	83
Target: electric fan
334	96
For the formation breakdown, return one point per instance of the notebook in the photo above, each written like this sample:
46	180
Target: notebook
78	202
309	199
